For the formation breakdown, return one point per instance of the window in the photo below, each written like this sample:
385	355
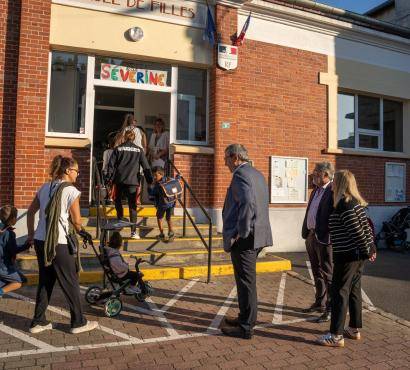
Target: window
67	93
191	117
371	123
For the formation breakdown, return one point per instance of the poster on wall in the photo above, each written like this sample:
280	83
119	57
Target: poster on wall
395	182
288	180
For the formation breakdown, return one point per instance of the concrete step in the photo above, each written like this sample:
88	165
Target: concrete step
268	263
150	221
153	231
142	211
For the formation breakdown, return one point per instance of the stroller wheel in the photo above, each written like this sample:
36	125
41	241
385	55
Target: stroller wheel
113	307
93	293
147	290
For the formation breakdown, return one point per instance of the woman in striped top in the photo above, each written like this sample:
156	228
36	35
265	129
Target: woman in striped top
352	242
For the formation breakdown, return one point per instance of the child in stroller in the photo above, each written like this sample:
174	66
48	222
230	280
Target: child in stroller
116	271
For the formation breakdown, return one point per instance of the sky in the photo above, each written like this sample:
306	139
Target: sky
358	6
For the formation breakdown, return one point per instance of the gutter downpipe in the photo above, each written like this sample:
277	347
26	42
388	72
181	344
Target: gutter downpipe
337	12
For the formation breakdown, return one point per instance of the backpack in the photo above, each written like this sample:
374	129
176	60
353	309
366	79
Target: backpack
171	190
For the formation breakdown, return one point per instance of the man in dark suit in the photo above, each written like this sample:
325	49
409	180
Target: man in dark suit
315	231
246	230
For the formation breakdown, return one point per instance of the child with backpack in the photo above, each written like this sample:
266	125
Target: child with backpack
165	192
10	277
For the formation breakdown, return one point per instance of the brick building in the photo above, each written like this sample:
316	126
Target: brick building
309	86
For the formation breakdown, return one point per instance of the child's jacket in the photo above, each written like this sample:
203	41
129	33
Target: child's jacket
8	250
118	266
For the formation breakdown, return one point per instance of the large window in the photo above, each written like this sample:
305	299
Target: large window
371	123
67	93
192	94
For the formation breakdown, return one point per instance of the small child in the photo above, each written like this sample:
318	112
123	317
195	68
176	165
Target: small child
162	207
10	277
121	268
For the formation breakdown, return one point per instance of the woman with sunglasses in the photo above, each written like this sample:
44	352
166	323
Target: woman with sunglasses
59	204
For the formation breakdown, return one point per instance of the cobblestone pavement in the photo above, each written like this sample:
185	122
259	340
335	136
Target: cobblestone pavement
178	329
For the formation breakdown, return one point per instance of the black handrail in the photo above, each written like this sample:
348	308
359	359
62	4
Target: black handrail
208	245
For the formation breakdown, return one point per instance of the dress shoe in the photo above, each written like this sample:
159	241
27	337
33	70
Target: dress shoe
231	321
236	331
325	317
315	307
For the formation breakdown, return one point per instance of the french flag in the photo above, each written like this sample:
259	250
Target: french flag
241	37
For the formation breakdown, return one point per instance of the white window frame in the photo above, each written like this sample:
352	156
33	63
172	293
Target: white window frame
359	131
87	101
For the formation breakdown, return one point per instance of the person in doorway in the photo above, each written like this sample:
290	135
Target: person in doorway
315	231
353	244
246	230
123	171
158	147
131	124
59	204
10	277
163	208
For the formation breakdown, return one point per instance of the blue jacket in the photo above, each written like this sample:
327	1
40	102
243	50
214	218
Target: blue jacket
246	208
8	250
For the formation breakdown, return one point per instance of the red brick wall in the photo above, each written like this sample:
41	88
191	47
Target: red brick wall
276	106
9	49
83	158
196	169
29	169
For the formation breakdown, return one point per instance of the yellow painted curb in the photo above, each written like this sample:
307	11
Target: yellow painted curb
167	273
177	239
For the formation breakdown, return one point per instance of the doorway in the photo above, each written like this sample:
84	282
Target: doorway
111	106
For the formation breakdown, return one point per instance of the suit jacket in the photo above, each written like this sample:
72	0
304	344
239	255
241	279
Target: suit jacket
246	208
324	211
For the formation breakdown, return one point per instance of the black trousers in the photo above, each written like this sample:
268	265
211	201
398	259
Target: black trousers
62	269
243	258
130	192
321	261
346	295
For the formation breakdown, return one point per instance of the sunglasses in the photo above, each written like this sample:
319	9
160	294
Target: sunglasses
74	169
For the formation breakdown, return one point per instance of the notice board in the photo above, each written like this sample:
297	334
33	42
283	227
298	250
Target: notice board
395	182
289	180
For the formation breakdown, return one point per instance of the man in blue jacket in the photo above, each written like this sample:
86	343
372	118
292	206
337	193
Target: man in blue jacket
246	230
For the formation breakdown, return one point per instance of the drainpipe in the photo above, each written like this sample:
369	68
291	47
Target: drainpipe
340	13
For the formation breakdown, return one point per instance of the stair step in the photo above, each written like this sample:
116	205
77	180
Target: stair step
142	211
153	231
266	264
150	221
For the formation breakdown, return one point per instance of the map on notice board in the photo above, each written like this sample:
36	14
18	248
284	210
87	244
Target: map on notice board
288	180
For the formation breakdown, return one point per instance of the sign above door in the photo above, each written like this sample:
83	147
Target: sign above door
188	13
112	72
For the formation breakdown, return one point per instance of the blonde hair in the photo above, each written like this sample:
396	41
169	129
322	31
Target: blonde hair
344	185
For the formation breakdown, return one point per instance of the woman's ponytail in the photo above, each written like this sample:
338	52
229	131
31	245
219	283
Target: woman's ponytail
59	166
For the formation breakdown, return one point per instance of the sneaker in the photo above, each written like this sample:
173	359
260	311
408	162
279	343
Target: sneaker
135	235
39	328
171	236
325	317
161	237
90	325
133	289
330	340
352	333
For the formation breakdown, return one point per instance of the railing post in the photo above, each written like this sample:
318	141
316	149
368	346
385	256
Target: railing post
184	214
209	251
97	231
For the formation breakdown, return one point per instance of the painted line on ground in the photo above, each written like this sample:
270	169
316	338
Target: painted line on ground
309	266
24	337
222	311
286	322
161	318
277	315
175	298
65	313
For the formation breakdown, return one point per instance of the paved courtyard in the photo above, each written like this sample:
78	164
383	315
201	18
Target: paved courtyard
179	328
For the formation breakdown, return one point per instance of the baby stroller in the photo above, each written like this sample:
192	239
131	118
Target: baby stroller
110	296
394	232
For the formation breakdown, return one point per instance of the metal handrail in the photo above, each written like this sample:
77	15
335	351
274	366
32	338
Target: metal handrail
208	245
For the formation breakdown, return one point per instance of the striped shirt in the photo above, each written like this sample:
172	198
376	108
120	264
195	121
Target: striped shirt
350	233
